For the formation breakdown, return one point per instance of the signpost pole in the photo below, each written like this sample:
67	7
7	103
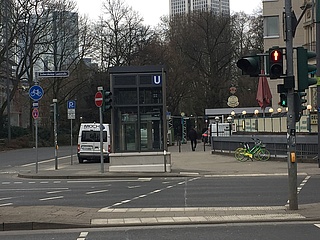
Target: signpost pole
101	129
37	158
71	107
71	141
55	133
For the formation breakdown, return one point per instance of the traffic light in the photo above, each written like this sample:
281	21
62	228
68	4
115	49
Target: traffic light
54	111
304	69
299	102
107	100
283	95
275	62
283	100
250	65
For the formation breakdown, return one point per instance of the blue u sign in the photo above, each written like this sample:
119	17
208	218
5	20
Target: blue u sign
157	79
35	92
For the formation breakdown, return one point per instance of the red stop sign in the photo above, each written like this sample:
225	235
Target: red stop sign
98	99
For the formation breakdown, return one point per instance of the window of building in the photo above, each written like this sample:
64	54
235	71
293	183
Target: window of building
271	26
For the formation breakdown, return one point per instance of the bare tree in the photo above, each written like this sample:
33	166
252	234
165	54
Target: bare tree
247	36
121	34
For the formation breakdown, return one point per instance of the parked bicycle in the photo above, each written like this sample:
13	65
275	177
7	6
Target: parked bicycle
257	152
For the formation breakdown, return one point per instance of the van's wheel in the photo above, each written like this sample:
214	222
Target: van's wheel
80	160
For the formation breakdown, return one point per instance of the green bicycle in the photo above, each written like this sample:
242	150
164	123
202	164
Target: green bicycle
257	152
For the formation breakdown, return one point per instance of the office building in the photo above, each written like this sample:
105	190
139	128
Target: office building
188	6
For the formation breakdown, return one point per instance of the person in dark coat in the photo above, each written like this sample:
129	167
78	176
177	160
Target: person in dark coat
193	138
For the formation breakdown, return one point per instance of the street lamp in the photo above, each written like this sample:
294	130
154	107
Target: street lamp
309	107
217	120
271	112
256	112
244	120
279	110
229	119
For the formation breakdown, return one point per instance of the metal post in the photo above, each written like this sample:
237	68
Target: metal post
71	141
55	133
164	117
291	130
101	140
318	72
101	134
37	158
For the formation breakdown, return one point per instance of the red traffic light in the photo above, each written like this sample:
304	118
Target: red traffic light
276	56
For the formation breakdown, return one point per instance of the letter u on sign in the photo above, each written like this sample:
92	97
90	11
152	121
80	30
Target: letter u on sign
157	79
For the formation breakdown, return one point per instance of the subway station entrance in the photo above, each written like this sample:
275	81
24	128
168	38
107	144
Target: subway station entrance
138	120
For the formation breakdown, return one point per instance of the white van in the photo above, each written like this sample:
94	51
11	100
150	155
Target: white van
89	142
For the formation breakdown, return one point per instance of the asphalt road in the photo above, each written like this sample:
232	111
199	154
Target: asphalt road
261	231
155	192
18	157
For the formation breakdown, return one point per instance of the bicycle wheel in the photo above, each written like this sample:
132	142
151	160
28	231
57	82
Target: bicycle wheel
240	154
264	154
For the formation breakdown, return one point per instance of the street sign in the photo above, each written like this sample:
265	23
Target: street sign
71	104
53	74
71	113
98	98
35	113
35	104
35	92
157	79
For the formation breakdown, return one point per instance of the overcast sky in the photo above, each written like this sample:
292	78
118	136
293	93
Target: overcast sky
152	10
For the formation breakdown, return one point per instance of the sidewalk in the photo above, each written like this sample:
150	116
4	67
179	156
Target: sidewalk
184	163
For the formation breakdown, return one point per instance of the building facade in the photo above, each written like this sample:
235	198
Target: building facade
305	35
187	6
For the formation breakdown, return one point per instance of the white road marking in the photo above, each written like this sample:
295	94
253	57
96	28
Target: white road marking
6	204
303	183
145	179
32	189
317	225
105	181
253	175
83	235
52	198
44	161
94	192
59	191
7	198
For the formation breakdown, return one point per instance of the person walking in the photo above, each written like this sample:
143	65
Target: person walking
193	138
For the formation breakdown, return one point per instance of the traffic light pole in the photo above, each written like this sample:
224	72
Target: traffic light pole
318	71
291	123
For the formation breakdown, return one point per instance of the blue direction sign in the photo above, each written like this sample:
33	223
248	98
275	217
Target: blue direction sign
36	92
53	74
71	104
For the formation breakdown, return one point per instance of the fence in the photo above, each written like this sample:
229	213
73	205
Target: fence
306	145
306	124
